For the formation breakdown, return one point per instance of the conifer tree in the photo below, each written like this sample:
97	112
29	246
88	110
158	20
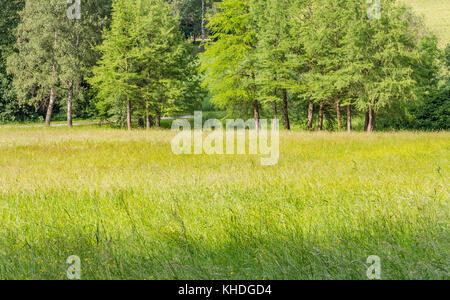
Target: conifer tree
79	36
146	65
275	74
380	54
230	59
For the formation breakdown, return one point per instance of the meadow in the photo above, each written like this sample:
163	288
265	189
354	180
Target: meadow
436	14
130	209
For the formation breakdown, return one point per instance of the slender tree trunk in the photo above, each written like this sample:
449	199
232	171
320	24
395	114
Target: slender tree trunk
338	115
320	124
372	115
158	117
310	114
349	118
147	114
51	104
158	112
371	125
69	103
128	102
275	111
147	119
128	113
70	91
366	121
287	124
256	114
203	21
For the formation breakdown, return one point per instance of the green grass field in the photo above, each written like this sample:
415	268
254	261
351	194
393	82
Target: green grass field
436	14
130	209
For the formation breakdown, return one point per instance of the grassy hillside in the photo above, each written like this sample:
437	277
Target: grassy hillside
437	16
129	208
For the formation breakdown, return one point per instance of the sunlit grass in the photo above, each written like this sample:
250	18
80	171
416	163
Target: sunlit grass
130	209
436	14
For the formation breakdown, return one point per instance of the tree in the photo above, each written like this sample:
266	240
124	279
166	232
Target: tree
433	111
78	39
9	19
230	59
275	74
192	16
52	51
321	27
169	63
35	62
114	76
380	54
145	64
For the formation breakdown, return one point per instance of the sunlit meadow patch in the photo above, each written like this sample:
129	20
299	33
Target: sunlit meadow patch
131	209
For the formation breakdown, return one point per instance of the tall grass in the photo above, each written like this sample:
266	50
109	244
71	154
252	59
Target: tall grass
130	209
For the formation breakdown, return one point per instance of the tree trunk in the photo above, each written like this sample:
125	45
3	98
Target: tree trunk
69	103
128	113
147	119
287	124
51	103
128	102
349	118
366	121
338	116
371	125
203	21
275	111
310	114
320	124
158	117
256	114
147	114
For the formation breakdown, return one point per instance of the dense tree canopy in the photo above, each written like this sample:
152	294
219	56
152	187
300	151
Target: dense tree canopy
311	62
9	18
53	52
145	62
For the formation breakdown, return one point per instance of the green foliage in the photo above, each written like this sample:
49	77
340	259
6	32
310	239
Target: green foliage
10	110
145	60
34	65
327	52
275	45
51	49
433	112
230	60
190	15
330	52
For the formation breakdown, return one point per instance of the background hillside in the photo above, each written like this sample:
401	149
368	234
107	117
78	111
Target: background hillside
437	16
